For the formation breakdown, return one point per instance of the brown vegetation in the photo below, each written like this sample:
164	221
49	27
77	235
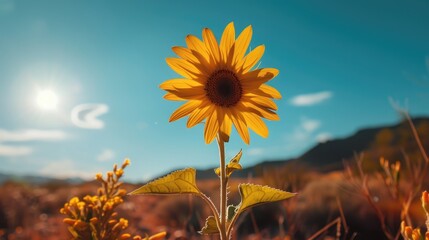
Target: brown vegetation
353	203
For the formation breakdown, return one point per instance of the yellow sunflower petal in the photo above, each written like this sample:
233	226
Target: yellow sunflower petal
195	58
173	97
225	128
263	90
185	54
242	43
260	111
256	124
270	91
197	45
211	44
206	60
227	41
252	58
179	83
184	68
184	110
199	115
240	125
211	128
264	102
257	77
190	93
204	65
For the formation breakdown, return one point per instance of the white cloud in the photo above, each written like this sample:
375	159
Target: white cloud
12	151
299	135
255	151
323	137
106	155
309	125
303	134
85	115
64	169
311	98
26	135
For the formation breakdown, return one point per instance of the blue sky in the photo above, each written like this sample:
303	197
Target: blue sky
339	63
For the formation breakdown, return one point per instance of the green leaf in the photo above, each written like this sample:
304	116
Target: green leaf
252	195
234	164
210	227
182	181
231	210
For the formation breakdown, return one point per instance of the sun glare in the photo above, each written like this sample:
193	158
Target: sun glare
47	99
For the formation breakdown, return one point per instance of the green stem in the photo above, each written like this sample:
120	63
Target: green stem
223	187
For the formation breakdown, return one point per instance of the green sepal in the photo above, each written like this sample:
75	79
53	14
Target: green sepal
234	164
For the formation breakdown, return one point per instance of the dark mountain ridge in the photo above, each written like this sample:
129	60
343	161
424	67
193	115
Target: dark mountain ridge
327	156
323	157
36	180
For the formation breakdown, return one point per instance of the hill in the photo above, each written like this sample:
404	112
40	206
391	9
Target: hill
36	180
324	157
329	156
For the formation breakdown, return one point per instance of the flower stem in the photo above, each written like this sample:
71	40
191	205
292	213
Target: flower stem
212	208
223	187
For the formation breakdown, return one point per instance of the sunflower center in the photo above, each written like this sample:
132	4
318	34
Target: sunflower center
223	88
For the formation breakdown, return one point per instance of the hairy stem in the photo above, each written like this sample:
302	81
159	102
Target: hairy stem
212	208
223	188
231	224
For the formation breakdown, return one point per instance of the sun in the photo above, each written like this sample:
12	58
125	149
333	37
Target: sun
47	99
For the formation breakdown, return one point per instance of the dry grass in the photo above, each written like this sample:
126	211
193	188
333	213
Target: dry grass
349	204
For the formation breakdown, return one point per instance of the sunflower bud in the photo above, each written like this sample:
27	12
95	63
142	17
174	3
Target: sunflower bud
64	211
74	200
122	192
119	173
126	163
99	176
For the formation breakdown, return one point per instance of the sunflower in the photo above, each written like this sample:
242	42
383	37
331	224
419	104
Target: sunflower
221	85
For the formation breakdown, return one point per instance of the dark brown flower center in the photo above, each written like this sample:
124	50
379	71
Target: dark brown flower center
223	88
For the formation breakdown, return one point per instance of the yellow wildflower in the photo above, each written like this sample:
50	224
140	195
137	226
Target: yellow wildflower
221	85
